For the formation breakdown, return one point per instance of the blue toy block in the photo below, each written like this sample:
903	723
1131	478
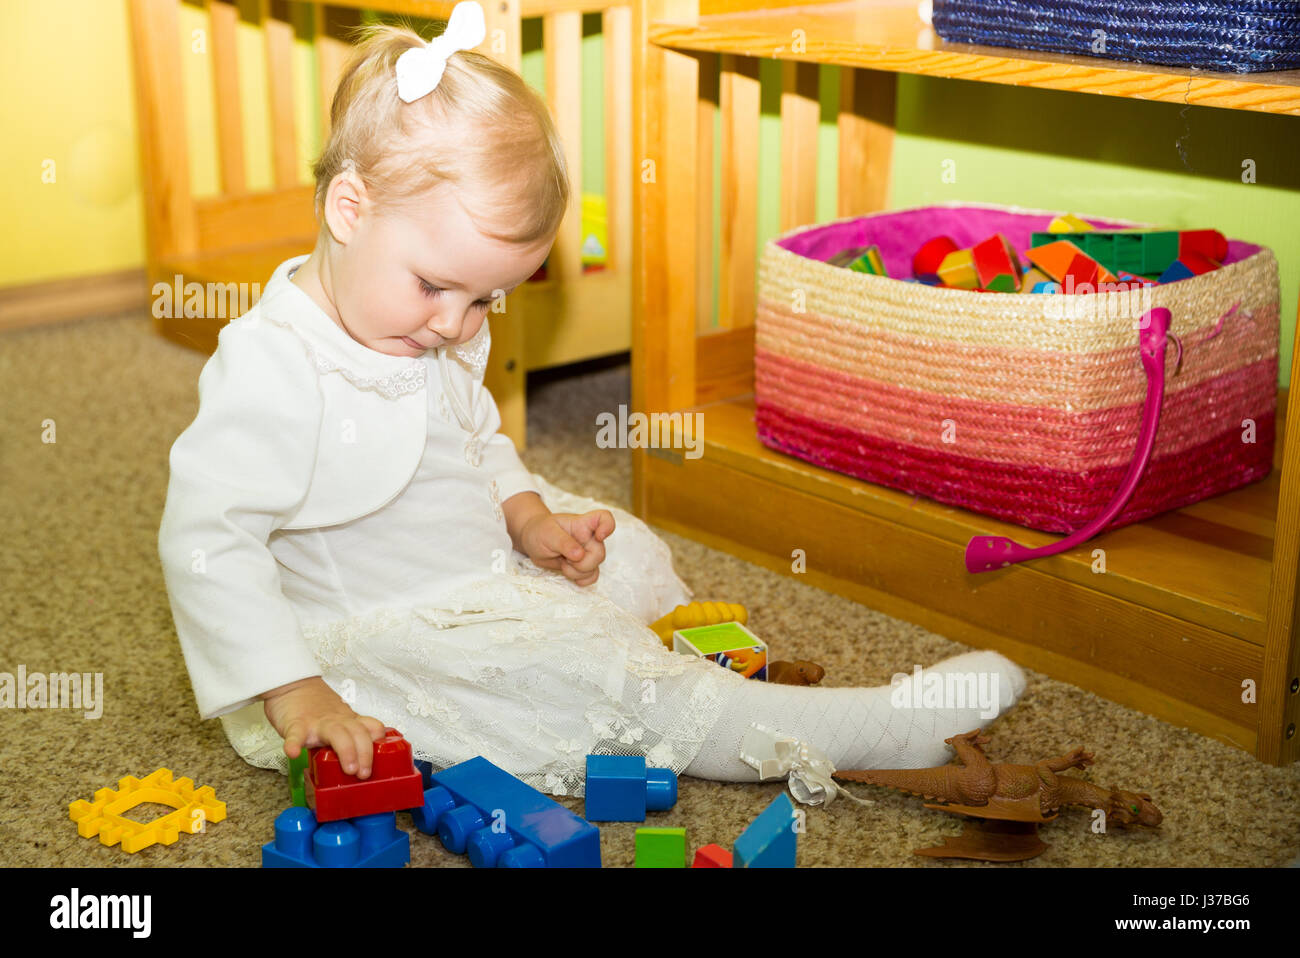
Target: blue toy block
621	789
770	840
370	841
426	773
485	812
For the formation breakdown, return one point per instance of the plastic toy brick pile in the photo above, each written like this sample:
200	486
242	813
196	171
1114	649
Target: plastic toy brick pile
1071	257
479	810
475	808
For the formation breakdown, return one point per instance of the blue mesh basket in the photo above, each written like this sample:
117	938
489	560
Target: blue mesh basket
1239	36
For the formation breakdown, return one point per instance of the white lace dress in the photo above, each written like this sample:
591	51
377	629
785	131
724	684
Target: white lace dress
422	615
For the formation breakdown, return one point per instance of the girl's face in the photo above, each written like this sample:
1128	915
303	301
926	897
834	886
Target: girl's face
415	277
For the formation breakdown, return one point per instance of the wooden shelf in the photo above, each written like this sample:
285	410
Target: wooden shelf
1207	564
887	35
1194	606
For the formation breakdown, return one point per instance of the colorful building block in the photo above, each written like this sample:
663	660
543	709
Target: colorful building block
996	264
712	856
394	783
621	789
369	841
1031	278
770	840
103	817
1069	223
847	256
1132	279
661	848
1210	244
1133	251
1187	266
483	811
729	644
869	262
927	260
1054	259
958	270
297	788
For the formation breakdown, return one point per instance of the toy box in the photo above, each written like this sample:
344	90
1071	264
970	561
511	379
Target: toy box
729	644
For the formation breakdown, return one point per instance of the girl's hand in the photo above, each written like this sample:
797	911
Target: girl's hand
310	714
571	543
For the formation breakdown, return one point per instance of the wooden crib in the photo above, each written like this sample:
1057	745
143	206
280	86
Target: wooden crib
238	235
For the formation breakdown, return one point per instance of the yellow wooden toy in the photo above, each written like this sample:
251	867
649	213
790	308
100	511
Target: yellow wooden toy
697	613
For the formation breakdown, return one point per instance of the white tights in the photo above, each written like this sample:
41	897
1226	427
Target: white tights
855	727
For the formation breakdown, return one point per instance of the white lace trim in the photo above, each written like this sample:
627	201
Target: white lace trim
473	353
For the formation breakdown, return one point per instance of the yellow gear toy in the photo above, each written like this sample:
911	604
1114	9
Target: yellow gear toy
697	613
103	817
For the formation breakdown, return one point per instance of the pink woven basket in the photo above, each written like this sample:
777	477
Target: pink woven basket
1064	413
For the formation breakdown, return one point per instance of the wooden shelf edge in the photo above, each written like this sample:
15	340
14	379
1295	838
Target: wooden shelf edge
908	46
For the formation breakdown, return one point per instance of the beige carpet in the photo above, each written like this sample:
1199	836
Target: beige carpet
83	591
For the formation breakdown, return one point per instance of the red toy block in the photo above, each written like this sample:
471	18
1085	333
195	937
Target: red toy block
712	856
997	264
1210	244
1081	270
928	259
394	783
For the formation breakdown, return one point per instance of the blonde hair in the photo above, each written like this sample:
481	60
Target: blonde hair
483	131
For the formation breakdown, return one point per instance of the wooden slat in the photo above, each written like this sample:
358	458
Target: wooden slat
664	90
332	50
740	96
160	112
619	169
707	110
252	219
800	110
866	128
562	49
223	16
278	35
506	373
888	35
1279	687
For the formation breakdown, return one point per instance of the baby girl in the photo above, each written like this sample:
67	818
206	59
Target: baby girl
350	543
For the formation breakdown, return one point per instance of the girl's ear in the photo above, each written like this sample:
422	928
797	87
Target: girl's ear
344	202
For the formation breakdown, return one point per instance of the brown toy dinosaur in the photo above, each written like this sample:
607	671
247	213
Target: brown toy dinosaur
1027	795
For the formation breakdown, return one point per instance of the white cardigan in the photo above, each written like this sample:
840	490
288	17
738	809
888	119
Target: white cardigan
299	427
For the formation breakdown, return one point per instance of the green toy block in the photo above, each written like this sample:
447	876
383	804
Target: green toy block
297	768
661	848
1144	252
869	262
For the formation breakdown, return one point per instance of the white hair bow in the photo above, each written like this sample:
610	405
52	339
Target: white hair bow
420	68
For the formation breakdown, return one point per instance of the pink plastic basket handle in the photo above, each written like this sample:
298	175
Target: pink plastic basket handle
985	553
